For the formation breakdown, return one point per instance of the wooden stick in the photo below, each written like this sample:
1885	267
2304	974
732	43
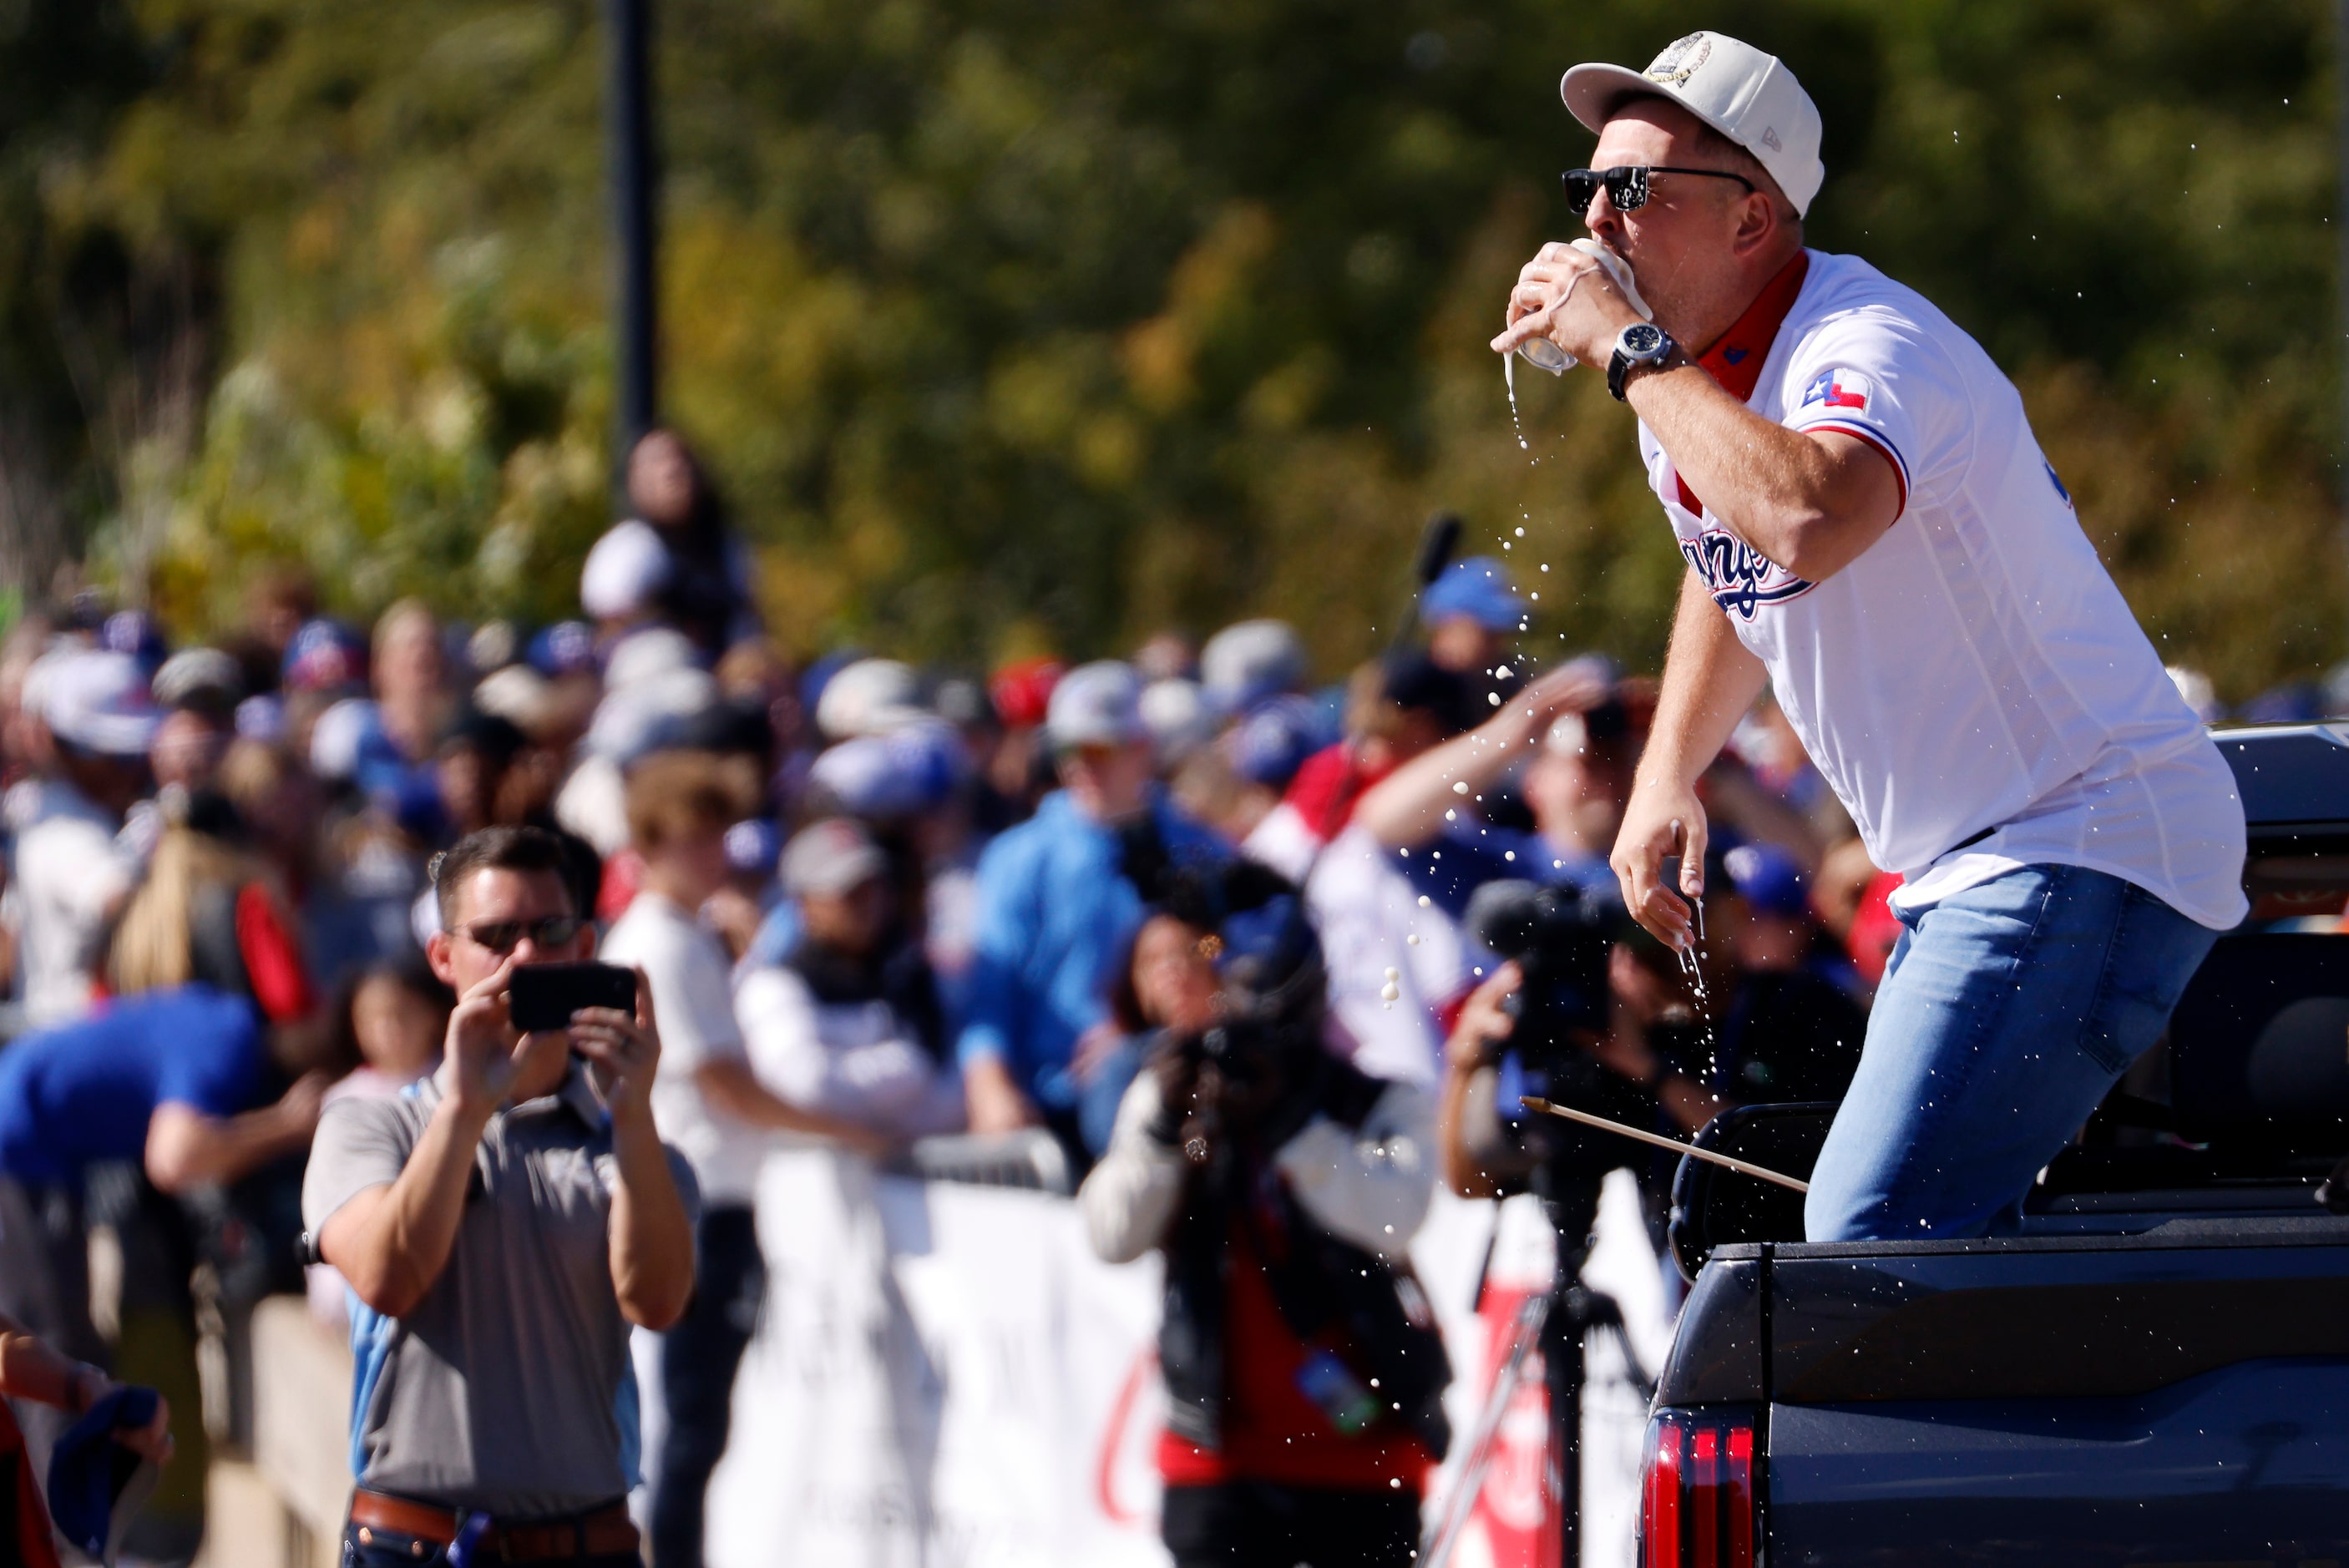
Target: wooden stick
1675	1145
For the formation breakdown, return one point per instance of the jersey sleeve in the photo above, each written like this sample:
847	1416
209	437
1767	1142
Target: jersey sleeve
1881	380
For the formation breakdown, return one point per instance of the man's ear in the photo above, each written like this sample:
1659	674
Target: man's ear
438	957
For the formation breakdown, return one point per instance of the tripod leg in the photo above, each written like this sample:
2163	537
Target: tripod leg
1562	1362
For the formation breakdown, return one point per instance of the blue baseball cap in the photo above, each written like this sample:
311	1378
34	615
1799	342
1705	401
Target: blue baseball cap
565	648
1477	589
1768	879
1273	741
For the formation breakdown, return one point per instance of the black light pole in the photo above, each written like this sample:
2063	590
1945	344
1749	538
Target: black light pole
2341	233
628	125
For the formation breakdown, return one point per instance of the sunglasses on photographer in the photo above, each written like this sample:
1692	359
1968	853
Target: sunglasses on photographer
1626	183
502	936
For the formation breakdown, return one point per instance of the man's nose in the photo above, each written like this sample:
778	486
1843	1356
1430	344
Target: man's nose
525	949
1602	219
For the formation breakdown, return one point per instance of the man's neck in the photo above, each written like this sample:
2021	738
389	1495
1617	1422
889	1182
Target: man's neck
1705	335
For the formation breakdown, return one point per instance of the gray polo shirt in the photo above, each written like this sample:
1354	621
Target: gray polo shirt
507	1389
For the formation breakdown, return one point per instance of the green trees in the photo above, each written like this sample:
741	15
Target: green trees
1009	324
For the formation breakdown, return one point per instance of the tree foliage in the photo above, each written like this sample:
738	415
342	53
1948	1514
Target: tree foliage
1011	324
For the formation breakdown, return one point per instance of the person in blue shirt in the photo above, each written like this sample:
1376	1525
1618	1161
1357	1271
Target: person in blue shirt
1060	897
172	1080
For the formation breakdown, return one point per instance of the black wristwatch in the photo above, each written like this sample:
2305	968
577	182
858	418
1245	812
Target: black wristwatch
1641	343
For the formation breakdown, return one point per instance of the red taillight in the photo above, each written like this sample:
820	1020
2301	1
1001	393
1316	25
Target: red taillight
1659	1513
1696	1497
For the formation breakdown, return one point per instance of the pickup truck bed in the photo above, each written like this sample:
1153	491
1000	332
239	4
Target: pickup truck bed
2176	1396
2155	1372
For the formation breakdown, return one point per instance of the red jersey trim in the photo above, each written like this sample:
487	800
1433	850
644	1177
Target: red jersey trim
1736	360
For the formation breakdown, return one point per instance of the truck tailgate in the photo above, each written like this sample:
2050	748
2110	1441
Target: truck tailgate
2045	1402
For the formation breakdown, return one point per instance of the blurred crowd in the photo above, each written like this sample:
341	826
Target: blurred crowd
877	902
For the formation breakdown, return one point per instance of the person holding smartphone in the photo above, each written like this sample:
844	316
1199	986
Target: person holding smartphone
1872	530
502	1223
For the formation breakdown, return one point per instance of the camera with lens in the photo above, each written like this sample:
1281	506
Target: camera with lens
1560	939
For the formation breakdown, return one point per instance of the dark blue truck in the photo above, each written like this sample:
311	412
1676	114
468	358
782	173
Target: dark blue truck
2154	1371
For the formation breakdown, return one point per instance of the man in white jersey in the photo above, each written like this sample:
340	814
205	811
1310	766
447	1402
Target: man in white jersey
1870	528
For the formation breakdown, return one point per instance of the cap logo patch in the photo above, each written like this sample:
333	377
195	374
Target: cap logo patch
1770	138
1680	60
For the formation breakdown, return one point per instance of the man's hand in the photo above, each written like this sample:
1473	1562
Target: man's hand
996	1104
1565	295
1663	818
623	1053
1574	687
484	1053
152	1442
1485	1021
300	1104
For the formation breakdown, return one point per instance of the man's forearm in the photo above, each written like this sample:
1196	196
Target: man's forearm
734	1088
652	1236
1710	679
186	1149
392	1243
1406	808
1810	503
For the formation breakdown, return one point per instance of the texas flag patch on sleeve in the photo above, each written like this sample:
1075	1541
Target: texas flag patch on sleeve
1839	390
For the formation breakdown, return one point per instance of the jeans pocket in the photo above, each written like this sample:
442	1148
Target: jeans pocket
2154	954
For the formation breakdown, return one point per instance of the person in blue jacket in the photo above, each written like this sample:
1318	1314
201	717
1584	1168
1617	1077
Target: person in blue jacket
1060	897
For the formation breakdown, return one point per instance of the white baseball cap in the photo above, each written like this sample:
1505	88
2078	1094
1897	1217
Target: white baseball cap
871	696
1749	97
95	699
1098	704
829	858
627	567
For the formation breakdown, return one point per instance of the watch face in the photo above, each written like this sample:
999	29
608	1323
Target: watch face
1641	339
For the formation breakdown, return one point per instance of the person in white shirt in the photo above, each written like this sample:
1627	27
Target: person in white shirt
71	874
847	1025
1872	530
708	1105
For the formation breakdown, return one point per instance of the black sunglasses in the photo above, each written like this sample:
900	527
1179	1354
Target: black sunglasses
501	936
1626	183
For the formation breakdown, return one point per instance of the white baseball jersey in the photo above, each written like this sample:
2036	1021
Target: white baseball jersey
1975	668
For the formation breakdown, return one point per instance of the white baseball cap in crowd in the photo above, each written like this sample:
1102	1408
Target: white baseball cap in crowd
196	677
830	857
1250	661
96	700
1179	717
871	696
627	566
647	655
1098	704
1749	97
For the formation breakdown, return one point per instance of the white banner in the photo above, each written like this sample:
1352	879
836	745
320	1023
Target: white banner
946	1377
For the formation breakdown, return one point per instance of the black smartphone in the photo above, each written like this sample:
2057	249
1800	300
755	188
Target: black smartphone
545	995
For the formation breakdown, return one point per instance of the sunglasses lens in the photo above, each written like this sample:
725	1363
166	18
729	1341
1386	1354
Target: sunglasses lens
497	937
1627	187
1581	189
557	929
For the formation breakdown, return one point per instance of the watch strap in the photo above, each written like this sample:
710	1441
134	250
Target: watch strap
1621	365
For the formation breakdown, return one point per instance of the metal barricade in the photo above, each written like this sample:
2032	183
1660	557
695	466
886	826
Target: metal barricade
1032	1160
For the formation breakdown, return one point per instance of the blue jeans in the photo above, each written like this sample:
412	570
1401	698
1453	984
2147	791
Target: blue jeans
2007	1012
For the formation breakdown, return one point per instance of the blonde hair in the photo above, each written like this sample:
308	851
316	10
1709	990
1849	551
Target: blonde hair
154	944
674	794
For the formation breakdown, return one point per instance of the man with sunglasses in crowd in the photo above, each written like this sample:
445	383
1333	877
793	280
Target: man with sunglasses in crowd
1871	529
502	1223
